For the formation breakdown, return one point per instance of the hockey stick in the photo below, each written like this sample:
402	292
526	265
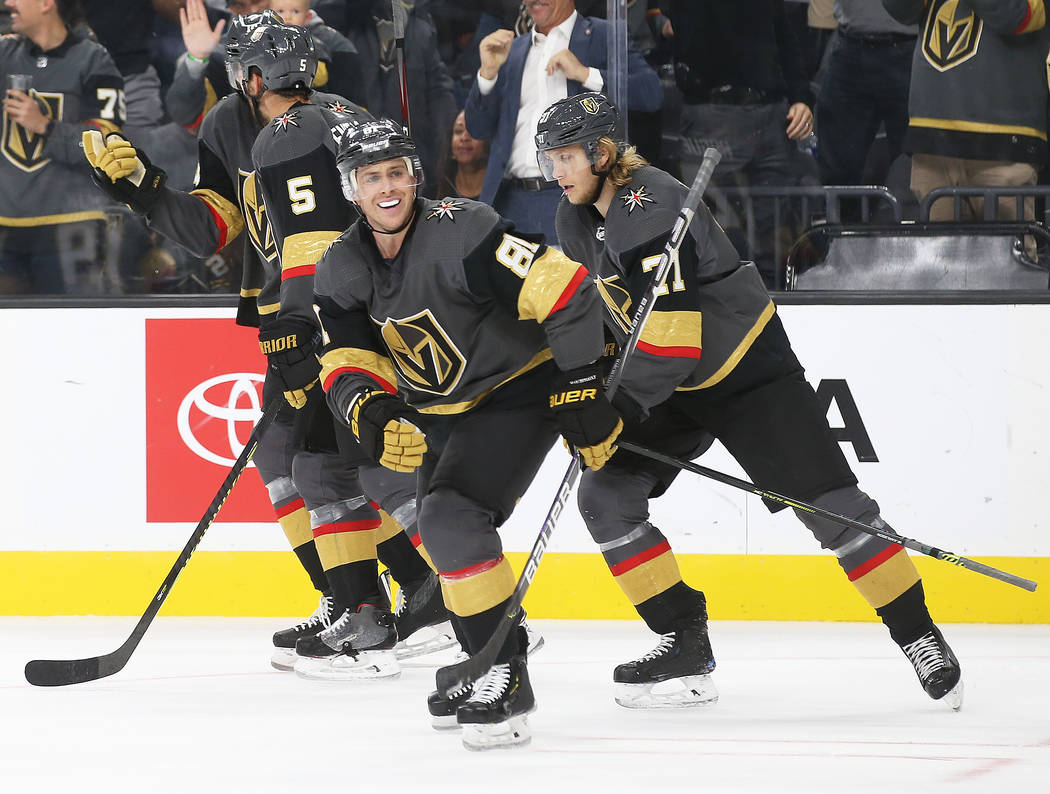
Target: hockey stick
455	677
399	15
60	672
882	534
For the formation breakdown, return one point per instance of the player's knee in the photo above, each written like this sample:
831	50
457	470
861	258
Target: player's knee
456	531
610	504
391	490
850	502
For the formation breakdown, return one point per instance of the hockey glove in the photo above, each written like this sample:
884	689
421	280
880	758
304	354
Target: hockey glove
380	421
587	420
290	347
122	172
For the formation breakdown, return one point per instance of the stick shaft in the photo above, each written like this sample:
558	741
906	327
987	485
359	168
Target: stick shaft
797	504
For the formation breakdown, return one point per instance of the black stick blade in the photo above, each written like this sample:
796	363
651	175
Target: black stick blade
58	672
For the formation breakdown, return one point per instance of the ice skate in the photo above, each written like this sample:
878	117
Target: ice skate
676	673
534	638
937	668
422	619
283	657
495	715
360	645
443	709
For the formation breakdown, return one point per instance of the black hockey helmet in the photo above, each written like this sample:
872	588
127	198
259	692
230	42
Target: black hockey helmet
237	34
370	143
584	119
283	54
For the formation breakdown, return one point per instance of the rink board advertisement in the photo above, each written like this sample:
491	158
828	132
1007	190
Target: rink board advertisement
122	423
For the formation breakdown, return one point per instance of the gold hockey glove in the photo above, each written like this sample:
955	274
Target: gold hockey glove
587	421
381	423
123	172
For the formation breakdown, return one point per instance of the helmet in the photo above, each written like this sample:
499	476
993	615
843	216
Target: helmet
374	142
237	36
283	54
583	119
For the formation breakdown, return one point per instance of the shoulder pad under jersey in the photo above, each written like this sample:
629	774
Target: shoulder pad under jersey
643	209
452	227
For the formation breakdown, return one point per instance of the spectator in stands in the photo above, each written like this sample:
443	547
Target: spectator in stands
564	55
124	28
978	100
57	83
865	85
336	53
431	104
745	92
465	161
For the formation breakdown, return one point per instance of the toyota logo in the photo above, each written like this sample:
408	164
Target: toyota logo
232	399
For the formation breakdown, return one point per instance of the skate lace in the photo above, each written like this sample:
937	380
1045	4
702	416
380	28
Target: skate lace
665	644
925	655
322	615
492	685
338	628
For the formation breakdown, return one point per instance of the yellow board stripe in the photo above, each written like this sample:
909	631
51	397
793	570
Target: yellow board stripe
571	586
49	220
976	126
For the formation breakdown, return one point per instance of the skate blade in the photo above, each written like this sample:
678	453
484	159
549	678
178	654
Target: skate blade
536	640
446	723
366	666
497	735
428	639
685	692
954	697
283	659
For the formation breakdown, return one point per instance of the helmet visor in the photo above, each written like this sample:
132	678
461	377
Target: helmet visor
235	74
369	181
565	161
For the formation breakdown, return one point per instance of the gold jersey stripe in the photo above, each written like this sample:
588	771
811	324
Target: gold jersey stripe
296	526
976	126
673	329
548	278
650	578
887	581
343	548
1036	17
458	408
50	220
269	308
356	358
305	248
738	353
224	211
474	594
250	293
388	528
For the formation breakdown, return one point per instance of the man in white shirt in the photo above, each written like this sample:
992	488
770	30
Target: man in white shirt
564	55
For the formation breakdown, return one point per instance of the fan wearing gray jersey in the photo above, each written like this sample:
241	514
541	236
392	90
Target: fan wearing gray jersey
449	339
713	361
316	495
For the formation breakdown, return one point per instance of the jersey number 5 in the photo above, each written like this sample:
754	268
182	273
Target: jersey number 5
300	195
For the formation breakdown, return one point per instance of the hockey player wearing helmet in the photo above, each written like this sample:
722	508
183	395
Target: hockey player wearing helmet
739	382
316	495
453	342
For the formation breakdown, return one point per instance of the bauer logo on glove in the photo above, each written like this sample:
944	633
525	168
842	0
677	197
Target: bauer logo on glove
587	421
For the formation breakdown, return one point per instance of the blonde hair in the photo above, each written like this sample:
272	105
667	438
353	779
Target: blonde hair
623	163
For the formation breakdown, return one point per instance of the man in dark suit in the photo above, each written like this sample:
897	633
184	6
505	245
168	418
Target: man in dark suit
519	78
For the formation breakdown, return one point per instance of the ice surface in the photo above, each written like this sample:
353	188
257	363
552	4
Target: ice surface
805	707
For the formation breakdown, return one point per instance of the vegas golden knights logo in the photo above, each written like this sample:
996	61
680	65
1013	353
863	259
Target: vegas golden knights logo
617	300
590	105
25	149
951	36
423	353
255	220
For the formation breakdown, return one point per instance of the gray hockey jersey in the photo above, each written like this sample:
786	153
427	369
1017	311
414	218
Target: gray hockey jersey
225	200
465	307
298	183
711	307
46	179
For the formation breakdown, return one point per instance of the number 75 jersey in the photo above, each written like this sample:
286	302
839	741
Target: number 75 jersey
465	307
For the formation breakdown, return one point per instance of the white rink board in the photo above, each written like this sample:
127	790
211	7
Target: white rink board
953	398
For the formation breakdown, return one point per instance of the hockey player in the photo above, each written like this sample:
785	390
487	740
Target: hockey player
316	497
442	326
746	389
